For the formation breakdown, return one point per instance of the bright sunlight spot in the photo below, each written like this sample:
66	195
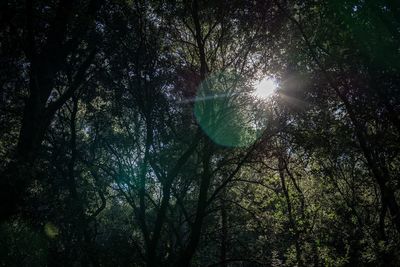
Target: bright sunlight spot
265	88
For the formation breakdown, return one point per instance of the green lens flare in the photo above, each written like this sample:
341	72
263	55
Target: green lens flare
221	109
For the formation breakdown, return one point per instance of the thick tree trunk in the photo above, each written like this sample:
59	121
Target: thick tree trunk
194	238
18	175
37	116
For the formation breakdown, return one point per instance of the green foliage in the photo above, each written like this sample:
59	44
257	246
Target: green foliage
22	246
129	135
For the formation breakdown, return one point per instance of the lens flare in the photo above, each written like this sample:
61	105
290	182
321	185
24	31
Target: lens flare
220	110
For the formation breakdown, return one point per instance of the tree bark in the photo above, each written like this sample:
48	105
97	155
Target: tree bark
38	114
195	233
292	222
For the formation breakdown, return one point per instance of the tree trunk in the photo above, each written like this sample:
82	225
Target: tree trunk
281	168
224	230
194	238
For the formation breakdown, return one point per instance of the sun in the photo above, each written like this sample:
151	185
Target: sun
265	88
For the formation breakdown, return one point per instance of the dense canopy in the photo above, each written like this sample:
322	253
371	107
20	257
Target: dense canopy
199	133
